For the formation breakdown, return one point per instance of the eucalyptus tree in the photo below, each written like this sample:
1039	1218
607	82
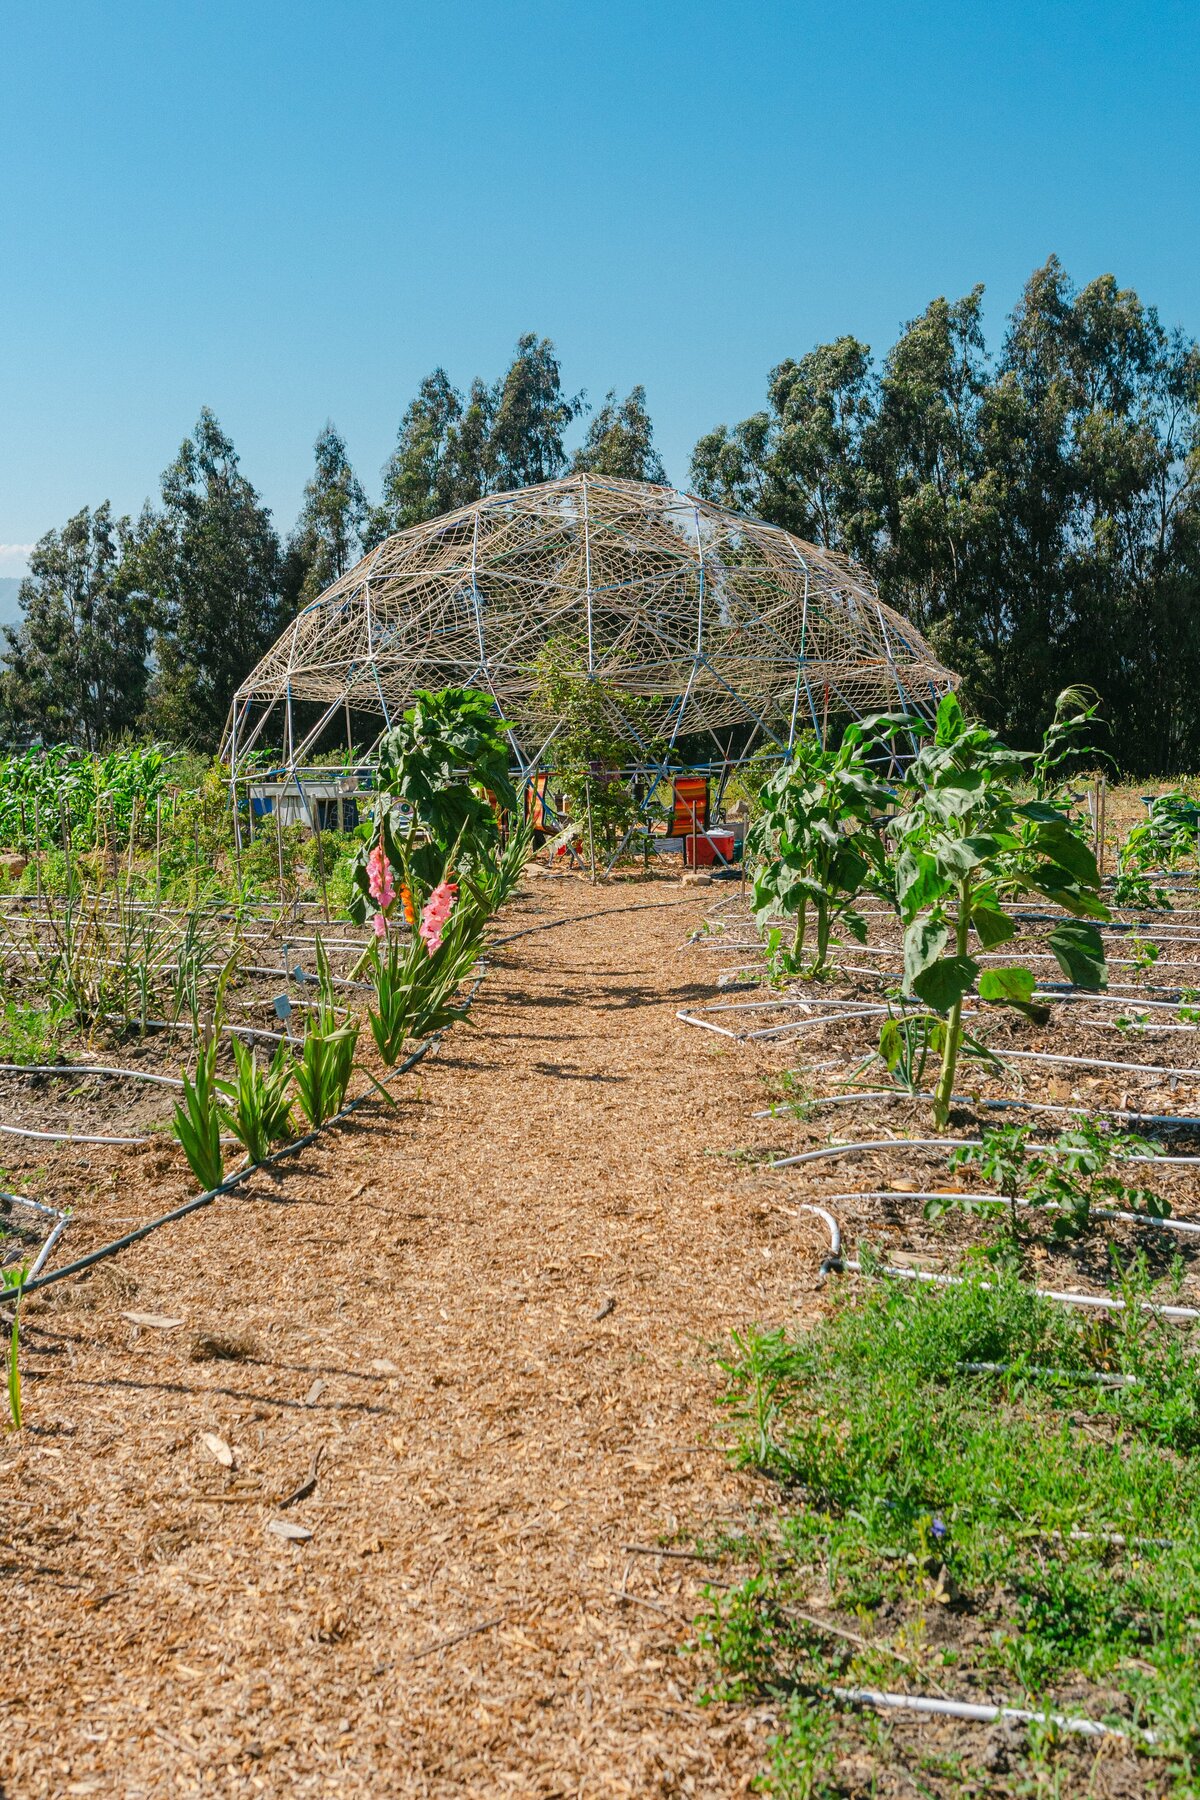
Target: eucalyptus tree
75	669
799	464
620	440
328	535
209	564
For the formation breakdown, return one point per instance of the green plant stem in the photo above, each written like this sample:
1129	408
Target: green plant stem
945	1085
798	934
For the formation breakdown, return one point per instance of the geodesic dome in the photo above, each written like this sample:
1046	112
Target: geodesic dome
715	622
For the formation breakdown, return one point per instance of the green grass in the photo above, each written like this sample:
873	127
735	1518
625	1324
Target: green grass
31	1034
931	1513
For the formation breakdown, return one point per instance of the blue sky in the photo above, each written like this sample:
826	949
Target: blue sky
291	212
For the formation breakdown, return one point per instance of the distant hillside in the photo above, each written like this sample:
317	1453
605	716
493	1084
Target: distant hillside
10	587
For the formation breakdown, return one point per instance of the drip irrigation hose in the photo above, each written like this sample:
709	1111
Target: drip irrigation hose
32	1286
833	1262
1167	1223
950	1143
987	1715
785	1109
86	1069
1101	1302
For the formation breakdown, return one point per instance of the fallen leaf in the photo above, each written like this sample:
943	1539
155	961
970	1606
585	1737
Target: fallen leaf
284	1528
153	1321
904	1184
218	1448
381	1366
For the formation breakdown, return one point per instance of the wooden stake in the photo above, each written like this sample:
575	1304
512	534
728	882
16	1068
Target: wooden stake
591	832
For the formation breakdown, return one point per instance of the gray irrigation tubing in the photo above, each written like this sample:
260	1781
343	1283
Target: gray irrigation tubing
945	1143
63	1069
986	1715
86	1069
1186	1226
1102	1303
30	1286
62	1220
1096	1062
1089	1378
784	1109
834	1260
206	1199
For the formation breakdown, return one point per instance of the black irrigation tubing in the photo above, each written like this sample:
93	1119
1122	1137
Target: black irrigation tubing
14	1294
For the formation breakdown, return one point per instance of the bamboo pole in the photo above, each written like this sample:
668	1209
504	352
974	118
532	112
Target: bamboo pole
591	830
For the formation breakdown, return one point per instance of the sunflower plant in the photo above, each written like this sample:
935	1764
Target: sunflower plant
964	843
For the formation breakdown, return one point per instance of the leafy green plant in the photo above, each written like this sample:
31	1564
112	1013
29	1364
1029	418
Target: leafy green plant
966	841
816	843
12	1277
980	1447
594	726
1070	1181
197	1122
908	1041
259	1111
414	991
442	773
491	873
802	1753
326	1062
31	1034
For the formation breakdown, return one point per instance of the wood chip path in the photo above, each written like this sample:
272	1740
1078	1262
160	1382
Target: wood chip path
468	1346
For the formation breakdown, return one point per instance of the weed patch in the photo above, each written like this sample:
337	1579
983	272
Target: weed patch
982	1496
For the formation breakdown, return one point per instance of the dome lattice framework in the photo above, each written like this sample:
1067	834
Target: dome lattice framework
715	622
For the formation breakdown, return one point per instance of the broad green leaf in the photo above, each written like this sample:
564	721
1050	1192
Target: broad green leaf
1062	847
950	721
1009	985
924	942
917	880
956	857
993	925
946	981
1071	898
1079	951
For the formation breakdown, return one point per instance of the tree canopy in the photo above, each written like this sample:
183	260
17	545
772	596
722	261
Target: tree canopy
1034	507
1035	511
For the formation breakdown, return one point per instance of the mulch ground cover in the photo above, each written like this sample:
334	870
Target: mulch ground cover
402	1491
468	1346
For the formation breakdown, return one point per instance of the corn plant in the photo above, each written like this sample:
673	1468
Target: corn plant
966	842
816	842
259	1111
197	1123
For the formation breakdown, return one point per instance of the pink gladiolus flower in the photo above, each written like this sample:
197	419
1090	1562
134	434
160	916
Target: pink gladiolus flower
380	884
434	913
380	924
